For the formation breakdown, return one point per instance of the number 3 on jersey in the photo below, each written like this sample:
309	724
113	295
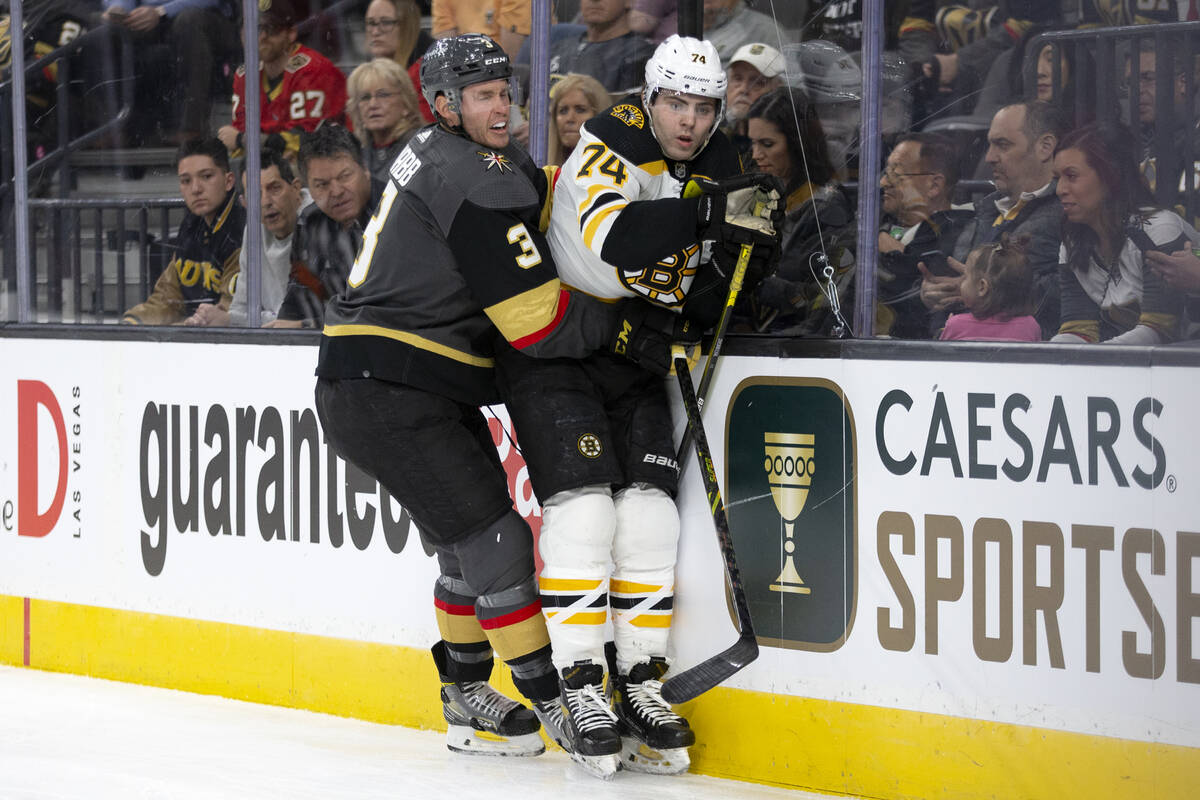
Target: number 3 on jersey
519	235
362	264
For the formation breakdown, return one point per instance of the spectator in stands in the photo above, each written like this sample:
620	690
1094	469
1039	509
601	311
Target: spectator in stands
919	224
178	47
977	38
608	49
833	81
282	201
1111	222
1021	144
573	100
654	19
394	31
383	110
818	226
208	242
996	290
299	87
506	21
330	231
729	24
1166	126
754	70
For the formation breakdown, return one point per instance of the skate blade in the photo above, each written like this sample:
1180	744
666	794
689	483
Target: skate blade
602	767
468	741
637	756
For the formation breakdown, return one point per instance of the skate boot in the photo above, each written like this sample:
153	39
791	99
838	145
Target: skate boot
591	726
653	737
554	722
481	721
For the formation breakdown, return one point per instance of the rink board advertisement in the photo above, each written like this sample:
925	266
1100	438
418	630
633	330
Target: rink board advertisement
967	579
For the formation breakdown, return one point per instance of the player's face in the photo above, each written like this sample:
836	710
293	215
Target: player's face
768	147
383	29
203	184
1010	152
339	186
381	106
572	111
682	122
280	202
485	113
746	84
1079	188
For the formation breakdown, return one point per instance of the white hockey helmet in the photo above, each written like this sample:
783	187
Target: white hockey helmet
687	66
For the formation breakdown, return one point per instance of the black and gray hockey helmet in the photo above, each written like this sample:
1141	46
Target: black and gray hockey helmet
459	61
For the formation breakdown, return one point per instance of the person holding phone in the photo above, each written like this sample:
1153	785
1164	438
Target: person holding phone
918	182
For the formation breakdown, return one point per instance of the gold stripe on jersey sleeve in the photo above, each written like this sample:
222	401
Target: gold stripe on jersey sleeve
412	339
589	232
528	312
548	205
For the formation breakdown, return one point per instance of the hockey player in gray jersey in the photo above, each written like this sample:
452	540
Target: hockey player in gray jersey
452	255
596	432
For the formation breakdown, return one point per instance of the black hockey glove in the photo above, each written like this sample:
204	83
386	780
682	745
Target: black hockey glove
645	332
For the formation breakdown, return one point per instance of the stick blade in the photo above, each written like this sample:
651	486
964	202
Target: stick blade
694	682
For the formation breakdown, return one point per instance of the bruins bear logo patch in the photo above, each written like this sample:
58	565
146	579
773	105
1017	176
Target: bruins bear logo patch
630	115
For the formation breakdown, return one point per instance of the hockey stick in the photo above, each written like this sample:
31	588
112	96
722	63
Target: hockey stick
715	669
735	288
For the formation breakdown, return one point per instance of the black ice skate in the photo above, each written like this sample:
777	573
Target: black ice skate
481	721
591	726
653	737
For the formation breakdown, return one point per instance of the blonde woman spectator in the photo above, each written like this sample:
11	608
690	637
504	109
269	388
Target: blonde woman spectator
383	108
394	31
573	100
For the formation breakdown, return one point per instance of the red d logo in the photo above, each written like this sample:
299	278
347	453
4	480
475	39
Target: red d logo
30	395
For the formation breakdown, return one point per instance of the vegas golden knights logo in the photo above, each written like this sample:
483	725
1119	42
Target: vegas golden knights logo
790	482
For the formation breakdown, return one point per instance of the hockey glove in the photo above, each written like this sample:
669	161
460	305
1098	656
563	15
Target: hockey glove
738	208
644	334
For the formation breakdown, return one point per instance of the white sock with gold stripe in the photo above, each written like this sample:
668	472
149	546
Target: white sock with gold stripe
643	581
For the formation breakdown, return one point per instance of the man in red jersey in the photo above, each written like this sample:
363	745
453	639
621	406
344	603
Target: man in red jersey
300	87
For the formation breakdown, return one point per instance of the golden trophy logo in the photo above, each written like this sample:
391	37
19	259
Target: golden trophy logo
789	467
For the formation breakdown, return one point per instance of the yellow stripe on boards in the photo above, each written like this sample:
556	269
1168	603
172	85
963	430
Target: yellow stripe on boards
790	741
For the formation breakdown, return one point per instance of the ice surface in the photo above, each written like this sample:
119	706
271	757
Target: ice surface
68	736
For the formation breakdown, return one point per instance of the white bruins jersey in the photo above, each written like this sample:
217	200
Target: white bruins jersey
619	226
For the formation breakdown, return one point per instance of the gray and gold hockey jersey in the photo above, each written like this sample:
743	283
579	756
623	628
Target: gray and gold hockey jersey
453	253
620	227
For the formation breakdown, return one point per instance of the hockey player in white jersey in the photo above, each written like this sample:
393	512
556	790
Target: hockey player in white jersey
597	432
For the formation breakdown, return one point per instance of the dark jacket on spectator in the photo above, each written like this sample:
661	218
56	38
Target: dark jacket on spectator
1041	219
323	254
899	310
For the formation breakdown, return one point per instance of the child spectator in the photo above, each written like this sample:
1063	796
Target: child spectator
997	289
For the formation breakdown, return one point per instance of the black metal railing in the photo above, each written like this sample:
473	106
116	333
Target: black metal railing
92	241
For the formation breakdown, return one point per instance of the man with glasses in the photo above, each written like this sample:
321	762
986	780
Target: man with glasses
919	226
299	87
